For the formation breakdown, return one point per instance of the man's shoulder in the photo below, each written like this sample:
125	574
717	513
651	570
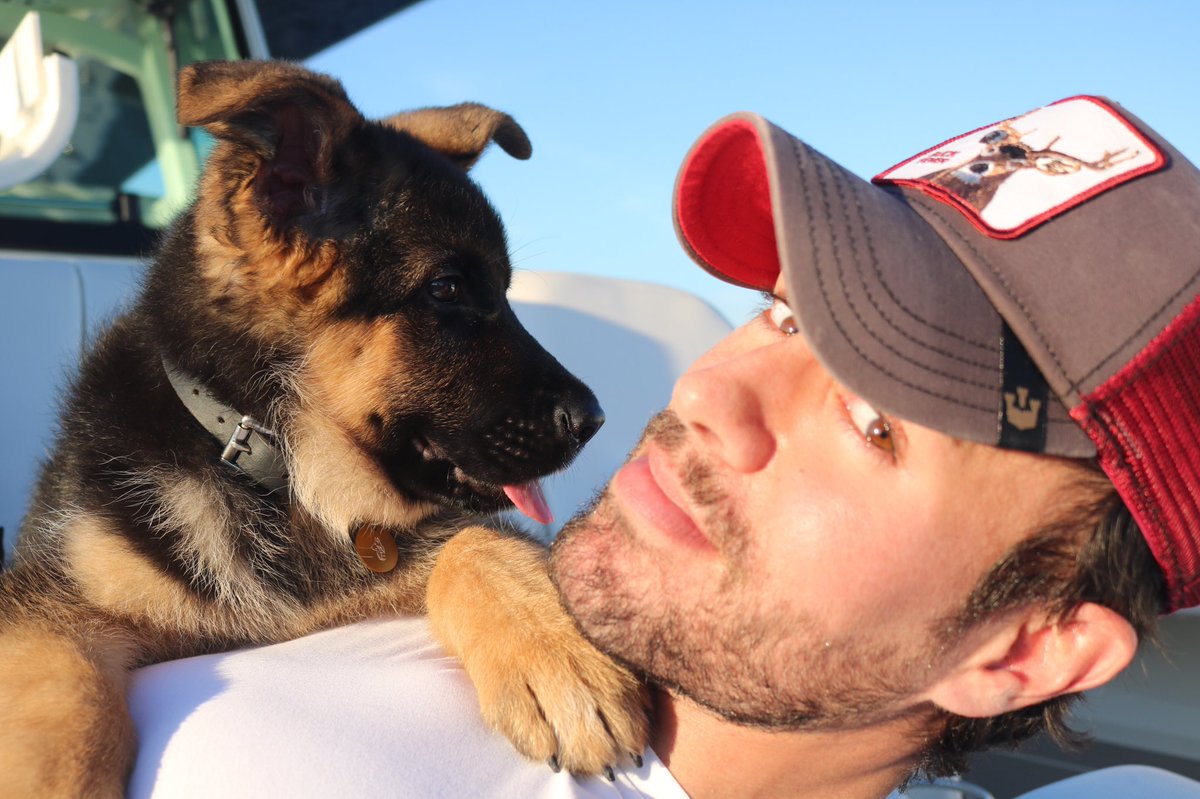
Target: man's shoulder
371	709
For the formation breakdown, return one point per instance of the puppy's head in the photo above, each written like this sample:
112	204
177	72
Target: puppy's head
361	252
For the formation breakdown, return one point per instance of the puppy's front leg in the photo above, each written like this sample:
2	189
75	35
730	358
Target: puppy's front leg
66	731
491	603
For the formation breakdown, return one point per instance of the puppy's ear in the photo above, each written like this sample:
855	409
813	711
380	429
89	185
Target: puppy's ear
284	120
462	132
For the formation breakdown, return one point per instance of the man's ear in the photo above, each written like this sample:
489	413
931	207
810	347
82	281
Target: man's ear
284	122
1029	658
462	132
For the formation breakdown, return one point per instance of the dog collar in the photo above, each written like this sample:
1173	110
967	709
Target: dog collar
260	459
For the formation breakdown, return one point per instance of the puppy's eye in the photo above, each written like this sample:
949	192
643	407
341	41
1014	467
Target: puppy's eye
875	427
782	317
444	289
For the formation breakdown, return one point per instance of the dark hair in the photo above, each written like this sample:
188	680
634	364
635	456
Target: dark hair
1092	552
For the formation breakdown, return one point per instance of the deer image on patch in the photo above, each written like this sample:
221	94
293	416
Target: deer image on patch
1010	177
1004	153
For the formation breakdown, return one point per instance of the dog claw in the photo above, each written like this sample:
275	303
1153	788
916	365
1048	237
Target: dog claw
637	760
553	763
609	774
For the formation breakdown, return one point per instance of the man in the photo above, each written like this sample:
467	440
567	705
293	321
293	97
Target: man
869	534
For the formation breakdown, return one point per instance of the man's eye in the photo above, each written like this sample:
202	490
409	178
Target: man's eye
782	317
879	434
875	427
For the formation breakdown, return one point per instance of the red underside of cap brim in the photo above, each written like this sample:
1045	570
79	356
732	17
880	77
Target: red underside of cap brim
723	206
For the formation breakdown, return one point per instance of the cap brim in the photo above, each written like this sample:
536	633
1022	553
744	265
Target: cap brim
885	304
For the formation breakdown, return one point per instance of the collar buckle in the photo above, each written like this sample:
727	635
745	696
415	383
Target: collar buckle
239	442
259	459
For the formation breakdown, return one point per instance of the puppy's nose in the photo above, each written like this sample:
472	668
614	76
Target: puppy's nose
578	418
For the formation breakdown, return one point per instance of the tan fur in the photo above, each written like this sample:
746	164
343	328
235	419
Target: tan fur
462	132
539	681
66	731
121	581
276	285
403	595
217	95
197	515
338	483
352	369
350	372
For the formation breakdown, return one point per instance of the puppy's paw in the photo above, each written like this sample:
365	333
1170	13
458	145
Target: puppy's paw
560	700
540	682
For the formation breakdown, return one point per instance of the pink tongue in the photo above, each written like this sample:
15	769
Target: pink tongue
530	500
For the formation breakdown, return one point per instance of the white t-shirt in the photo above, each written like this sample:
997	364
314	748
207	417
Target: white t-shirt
375	709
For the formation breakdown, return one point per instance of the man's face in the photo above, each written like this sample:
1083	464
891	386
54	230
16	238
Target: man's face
779	552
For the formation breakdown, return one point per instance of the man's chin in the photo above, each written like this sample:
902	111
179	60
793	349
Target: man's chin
581	557
616	594
601	577
693	643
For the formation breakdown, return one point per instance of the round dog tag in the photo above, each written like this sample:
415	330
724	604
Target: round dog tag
377	548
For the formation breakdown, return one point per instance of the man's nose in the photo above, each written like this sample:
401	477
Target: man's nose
725	409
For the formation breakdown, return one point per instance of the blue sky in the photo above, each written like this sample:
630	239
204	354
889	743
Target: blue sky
612	95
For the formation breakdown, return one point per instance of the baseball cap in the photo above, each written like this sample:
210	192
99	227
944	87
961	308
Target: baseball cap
1033	284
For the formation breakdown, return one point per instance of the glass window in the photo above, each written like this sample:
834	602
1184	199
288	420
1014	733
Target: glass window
128	168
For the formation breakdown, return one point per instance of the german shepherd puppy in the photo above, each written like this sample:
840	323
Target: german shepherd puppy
332	306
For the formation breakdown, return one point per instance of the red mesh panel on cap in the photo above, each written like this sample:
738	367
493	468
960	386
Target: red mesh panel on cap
723	205
1145	421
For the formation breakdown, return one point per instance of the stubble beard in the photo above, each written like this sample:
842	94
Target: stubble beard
721	645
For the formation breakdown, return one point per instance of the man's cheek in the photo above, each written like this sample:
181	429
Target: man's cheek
822	557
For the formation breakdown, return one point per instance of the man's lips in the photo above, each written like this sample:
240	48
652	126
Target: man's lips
648	488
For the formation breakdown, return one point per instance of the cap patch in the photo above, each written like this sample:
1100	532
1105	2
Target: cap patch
1010	177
